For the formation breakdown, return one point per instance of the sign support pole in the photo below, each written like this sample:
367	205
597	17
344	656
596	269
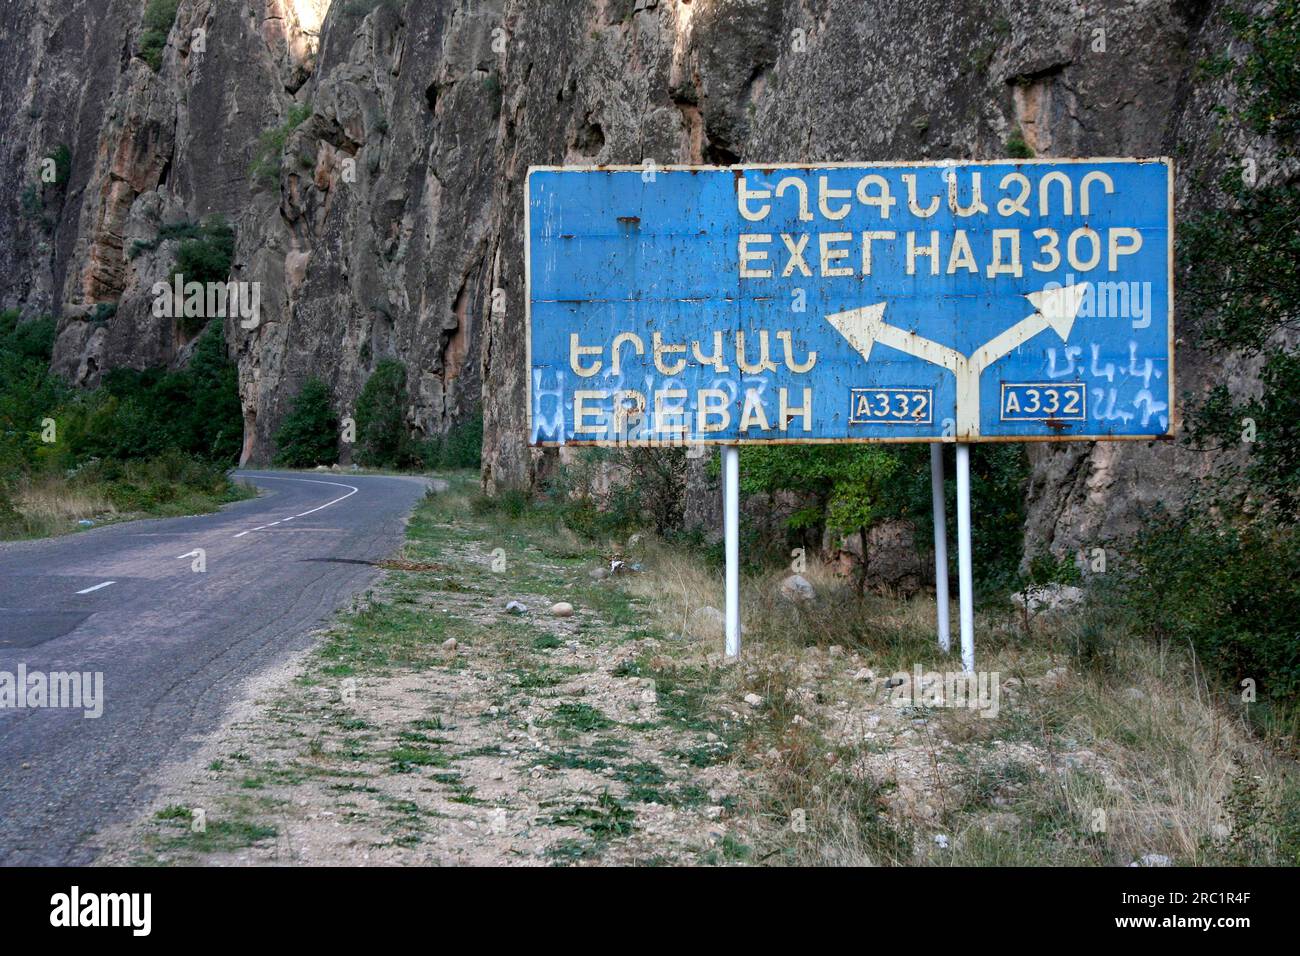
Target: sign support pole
731	538
940	545
966	596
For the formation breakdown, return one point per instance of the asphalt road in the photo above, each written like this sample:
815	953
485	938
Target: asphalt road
174	645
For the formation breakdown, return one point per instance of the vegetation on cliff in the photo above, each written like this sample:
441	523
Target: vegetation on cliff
159	17
1223	576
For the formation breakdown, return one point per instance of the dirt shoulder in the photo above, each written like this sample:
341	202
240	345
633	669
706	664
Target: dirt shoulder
433	726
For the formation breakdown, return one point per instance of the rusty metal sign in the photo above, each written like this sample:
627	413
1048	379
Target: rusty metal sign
946	301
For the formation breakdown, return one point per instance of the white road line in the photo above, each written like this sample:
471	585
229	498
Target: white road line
97	587
309	481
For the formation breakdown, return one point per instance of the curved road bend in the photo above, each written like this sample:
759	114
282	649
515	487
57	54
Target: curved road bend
174	645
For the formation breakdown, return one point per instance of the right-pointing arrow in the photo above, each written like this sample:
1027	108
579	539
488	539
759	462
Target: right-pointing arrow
1059	307
1054	309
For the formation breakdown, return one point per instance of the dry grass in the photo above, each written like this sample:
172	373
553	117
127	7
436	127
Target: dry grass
1105	749
171	485
48	505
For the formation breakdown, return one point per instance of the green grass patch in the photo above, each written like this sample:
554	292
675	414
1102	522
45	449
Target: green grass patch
579	718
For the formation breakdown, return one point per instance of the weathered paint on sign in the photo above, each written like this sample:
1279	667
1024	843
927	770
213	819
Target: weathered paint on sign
950	301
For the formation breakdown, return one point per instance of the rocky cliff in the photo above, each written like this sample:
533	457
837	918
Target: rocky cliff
390	221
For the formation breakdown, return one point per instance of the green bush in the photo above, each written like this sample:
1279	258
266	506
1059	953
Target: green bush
139	414
28	341
205	257
62	157
611	492
159	17
999	474
267	159
174	230
308	436
1017	148
208	256
28	392
11	522
1230	591
382	437
157	441
461	447
849	488
149	484
843	483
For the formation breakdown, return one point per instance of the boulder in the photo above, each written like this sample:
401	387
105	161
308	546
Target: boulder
1048	598
797	588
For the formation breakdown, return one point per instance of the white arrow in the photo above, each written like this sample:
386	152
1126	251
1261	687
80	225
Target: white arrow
1054	309
864	327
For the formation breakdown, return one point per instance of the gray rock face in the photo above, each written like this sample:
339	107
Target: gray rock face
394	226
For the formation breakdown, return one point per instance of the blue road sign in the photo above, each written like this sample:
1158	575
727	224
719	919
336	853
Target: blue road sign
948	301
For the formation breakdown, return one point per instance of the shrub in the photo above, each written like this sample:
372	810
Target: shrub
62	157
460	447
382	436
849	488
1017	148
843	482
610	492
208	256
267	157
11	522
156	440
28	392
308	436
30	341
159	16
1230	591
147	484
174	230
140	414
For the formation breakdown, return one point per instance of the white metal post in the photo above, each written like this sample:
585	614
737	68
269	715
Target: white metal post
940	545
966	596
731	537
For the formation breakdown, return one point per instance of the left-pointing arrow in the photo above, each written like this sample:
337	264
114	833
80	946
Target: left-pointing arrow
864	327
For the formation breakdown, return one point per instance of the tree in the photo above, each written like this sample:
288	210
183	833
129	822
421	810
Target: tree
382	438
159	16
845	485
308	436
